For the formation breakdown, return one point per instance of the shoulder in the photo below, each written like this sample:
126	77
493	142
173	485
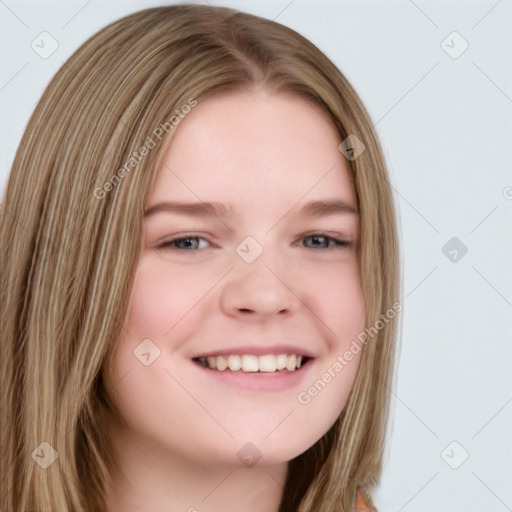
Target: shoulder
362	501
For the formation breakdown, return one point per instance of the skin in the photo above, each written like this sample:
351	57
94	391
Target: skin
266	155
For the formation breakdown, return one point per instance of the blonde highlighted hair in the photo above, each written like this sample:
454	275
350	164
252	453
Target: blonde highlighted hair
68	254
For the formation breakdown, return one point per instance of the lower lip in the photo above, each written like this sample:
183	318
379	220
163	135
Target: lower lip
259	381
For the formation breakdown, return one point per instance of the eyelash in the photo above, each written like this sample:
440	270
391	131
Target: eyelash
333	242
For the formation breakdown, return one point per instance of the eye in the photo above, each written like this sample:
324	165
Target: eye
194	242
185	243
321	241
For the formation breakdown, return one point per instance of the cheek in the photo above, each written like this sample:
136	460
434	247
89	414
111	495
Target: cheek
336	296
161	300
163	309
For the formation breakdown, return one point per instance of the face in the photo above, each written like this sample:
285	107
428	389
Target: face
248	270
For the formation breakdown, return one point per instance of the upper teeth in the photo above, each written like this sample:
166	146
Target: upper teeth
251	363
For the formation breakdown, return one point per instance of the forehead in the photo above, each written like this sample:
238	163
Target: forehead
255	148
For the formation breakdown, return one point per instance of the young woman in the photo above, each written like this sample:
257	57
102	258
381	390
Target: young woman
200	284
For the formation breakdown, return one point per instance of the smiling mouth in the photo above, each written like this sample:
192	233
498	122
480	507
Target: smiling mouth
248	363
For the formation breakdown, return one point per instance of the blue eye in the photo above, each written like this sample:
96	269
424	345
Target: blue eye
319	241
186	243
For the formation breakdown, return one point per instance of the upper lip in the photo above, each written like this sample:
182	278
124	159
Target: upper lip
257	350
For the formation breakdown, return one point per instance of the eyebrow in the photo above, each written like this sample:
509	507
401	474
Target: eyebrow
220	210
200	209
324	208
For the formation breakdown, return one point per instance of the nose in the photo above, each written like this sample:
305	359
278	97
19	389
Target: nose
257	291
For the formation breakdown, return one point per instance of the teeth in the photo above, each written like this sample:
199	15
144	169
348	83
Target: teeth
291	364
222	363
235	363
267	363
281	360
251	364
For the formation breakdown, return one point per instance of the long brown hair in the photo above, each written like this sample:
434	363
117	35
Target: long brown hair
71	227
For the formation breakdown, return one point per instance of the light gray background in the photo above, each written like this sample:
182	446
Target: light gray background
446	126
